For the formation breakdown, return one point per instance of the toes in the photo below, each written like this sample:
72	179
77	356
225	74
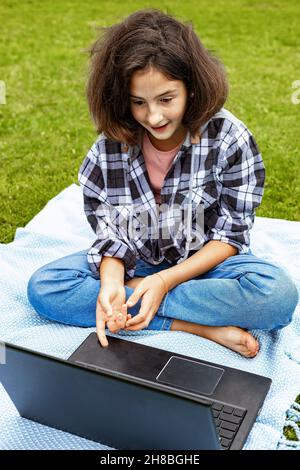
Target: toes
251	343
253	353
250	346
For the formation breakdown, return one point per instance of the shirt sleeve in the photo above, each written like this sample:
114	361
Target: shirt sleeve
242	176
104	218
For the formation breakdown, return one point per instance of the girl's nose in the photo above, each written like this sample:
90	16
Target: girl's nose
155	118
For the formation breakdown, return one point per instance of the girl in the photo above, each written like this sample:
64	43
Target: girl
170	189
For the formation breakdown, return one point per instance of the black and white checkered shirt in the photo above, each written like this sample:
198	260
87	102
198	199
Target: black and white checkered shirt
210	193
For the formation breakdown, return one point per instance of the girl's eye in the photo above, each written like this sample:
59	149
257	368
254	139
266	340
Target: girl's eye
165	100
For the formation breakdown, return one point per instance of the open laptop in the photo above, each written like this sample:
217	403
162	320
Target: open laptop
131	396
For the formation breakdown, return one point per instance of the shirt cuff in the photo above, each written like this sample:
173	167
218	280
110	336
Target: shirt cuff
114	249
242	248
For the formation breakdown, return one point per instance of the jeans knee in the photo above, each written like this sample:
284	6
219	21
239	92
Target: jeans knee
42	292
284	299
66	296
36	289
33	287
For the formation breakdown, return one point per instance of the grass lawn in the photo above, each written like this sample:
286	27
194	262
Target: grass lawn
45	129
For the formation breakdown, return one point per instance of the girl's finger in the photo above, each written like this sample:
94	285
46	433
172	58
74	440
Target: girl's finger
135	296
107	307
139	326
113	327
100	326
146	308
122	315
140	317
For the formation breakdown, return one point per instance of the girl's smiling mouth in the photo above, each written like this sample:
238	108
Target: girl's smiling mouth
161	128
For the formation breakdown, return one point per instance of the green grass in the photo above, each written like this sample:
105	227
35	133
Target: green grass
288	430
45	129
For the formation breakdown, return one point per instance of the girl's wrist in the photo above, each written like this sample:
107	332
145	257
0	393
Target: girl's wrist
110	281
112	271
163	281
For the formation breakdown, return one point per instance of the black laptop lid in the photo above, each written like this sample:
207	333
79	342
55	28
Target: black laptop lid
112	409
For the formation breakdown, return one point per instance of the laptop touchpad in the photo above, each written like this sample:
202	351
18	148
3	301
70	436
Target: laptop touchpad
190	375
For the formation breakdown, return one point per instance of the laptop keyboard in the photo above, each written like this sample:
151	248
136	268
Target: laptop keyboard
228	420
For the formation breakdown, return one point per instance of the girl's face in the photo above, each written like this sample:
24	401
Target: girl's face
156	101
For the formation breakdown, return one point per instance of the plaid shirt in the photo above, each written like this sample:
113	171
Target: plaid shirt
211	192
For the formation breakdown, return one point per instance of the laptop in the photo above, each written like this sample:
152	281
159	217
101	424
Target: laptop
130	396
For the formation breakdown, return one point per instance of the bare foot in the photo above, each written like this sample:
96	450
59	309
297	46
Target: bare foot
232	337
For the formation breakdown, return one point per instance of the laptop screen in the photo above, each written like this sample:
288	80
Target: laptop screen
115	411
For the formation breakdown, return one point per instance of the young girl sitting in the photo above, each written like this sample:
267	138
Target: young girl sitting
170	189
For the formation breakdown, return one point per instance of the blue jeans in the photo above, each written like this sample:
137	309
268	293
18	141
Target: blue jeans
243	291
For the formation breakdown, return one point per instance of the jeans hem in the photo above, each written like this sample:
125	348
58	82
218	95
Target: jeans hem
161	309
167	324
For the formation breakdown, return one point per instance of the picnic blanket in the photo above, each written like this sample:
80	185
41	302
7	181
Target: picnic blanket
60	229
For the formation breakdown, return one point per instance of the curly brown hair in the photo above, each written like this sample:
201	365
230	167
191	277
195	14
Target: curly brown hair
151	38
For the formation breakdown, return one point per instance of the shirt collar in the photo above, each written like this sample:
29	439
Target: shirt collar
187	143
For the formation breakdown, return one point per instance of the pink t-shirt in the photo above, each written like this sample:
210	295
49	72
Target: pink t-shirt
158	163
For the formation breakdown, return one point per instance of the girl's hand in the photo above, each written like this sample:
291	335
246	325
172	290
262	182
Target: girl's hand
152	289
110	309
